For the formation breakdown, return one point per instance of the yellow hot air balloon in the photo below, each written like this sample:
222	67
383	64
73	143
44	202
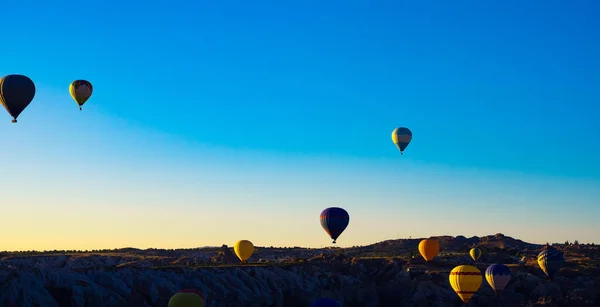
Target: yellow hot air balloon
429	248
81	91
465	280
187	298
243	249
475	253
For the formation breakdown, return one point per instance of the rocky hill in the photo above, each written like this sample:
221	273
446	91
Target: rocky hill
374	275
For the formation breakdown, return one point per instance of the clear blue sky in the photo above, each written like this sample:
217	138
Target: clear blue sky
213	121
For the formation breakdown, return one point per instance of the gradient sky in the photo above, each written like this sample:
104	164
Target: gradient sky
214	121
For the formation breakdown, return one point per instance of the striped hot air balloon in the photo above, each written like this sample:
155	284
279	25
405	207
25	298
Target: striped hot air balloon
429	248
334	221
465	280
401	138
475	253
550	261
498	276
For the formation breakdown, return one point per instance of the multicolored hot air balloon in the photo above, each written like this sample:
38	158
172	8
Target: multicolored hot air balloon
187	298
465	280
334	220
429	248
475	253
16	93
81	91
550	261
325	302
497	275
401	137
243	249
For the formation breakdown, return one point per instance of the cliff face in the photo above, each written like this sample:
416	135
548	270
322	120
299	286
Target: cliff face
94	280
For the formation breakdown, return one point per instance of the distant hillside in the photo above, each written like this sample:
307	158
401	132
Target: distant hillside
461	243
447	244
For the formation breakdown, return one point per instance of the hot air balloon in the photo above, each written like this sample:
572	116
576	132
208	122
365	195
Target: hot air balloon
475	253
81	91
16	93
243	249
429	248
550	261
401	137
334	220
187	298
498	276
325	302
465	280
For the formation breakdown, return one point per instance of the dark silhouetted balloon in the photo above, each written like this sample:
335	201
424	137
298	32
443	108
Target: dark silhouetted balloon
16	93
334	220
401	137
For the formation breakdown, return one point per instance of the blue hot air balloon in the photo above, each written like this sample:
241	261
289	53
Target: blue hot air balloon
498	276
550	261
334	220
325	302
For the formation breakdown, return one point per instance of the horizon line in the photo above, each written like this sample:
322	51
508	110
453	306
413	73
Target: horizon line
278	247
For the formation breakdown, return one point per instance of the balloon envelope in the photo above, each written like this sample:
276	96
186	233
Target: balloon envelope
334	221
81	91
429	248
475	253
401	138
16	93
497	275
550	261
465	280
243	249
187	298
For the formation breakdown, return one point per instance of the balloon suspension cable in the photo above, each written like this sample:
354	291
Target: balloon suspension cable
14	120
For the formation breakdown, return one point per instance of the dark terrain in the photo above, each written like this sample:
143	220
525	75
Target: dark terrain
382	274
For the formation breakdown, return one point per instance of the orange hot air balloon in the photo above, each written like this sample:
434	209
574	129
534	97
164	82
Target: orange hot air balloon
429	248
